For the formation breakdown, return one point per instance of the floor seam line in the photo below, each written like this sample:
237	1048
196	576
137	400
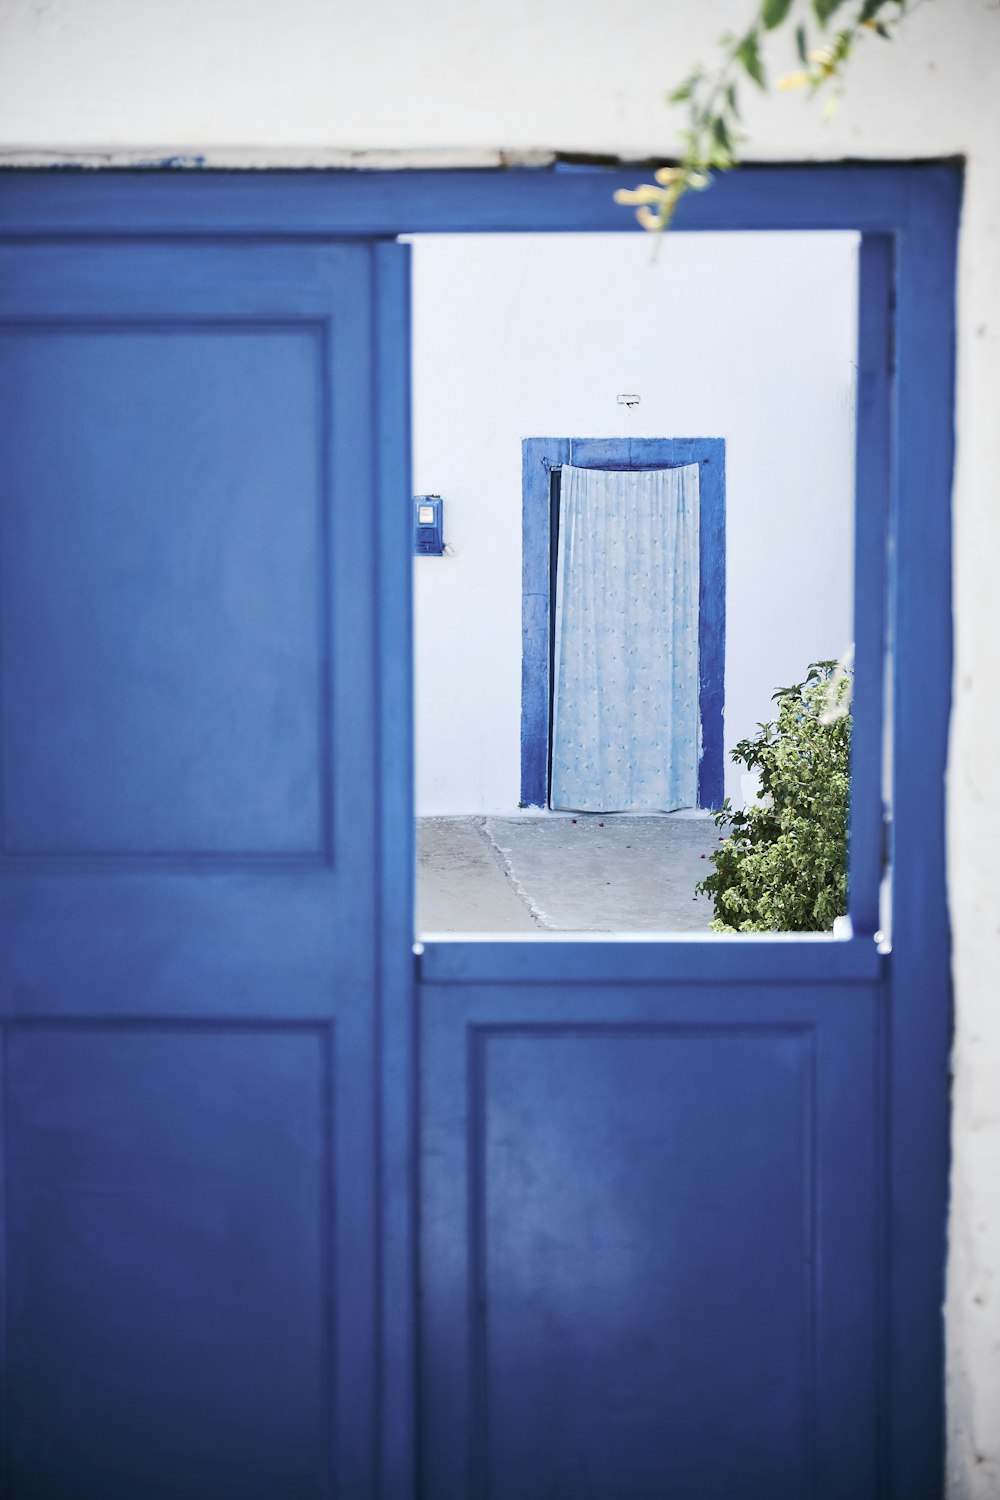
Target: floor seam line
503	860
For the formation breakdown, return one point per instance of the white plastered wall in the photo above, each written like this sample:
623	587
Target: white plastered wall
748	337
253	82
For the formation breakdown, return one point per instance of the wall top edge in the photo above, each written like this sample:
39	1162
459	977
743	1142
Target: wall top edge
255	158
316	158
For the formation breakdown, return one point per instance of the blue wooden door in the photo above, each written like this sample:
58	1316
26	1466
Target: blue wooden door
188	873
676	1209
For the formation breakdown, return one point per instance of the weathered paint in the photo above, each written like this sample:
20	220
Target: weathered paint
269	159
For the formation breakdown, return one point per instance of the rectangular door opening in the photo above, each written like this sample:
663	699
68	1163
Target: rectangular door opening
557	796
655	610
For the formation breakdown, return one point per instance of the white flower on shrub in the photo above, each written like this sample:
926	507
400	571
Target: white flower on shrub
840	689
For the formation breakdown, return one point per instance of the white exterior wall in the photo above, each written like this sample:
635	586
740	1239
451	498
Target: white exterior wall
748	337
245	80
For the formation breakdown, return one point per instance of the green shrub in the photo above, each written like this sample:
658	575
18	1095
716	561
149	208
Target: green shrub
783	867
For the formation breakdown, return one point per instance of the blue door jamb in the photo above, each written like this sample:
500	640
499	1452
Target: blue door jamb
539	457
908	217
394	1007
870	805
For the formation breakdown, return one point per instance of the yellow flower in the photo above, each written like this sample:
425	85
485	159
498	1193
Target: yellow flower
645	193
793	80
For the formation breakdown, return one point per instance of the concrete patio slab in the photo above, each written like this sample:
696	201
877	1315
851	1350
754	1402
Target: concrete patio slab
559	873
462	885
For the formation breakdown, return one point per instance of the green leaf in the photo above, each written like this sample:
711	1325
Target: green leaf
825	8
720	136
748	53
773	12
732	101
802	45
685	89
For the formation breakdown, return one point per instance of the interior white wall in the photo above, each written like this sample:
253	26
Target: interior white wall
748	337
313	80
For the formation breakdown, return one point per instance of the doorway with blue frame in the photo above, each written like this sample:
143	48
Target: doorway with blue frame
696	618
482	614
290	1207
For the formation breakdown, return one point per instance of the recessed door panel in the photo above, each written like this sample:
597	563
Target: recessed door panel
169	1265
146	571
666	1283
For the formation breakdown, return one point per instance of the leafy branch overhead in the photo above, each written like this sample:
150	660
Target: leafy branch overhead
714	133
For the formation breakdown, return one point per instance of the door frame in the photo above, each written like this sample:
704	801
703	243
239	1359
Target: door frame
908	216
541	458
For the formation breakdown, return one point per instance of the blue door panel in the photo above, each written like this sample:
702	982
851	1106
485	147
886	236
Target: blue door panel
666	1284
186	680
187	869
169	1263
148	581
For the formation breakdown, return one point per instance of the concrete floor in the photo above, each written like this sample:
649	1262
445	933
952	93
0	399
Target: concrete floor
556	873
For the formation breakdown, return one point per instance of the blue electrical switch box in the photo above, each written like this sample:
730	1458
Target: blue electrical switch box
428	532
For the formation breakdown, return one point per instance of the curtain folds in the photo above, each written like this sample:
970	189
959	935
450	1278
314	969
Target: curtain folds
625	731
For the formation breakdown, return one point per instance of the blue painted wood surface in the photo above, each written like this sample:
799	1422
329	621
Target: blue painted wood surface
872	500
215	1019
916	1056
874	199
646	1240
396	1082
188	877
538	458
753	959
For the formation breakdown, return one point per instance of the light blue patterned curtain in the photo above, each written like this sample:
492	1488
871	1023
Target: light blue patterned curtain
625	731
